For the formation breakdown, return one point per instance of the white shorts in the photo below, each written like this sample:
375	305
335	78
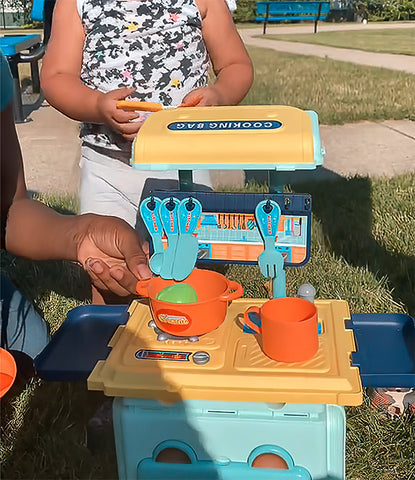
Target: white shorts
111	187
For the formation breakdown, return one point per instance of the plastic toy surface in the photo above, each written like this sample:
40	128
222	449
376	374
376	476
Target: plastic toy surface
214	292
150	469
252	138
377	333
178	220
288	327
179	293
228	364
225	438
227	231
135	105
271	261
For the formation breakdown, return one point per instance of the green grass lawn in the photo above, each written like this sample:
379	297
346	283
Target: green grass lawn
398	41
362	251
340	92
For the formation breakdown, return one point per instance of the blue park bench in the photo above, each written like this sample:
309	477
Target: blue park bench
27	48
298	11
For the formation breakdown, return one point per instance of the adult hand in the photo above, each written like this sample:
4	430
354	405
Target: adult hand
112	253
123	122
203	97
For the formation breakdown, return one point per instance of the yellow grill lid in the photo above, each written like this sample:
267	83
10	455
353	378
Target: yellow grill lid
268	137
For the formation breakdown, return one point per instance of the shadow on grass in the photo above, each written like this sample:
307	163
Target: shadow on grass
36	278
64	435
53	440
345	209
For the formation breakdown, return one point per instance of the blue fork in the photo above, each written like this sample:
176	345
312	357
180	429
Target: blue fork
271	262
149	210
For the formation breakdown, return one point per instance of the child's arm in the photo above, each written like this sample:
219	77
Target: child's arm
231	62
61	82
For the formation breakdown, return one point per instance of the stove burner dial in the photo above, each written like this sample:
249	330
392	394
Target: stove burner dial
201	358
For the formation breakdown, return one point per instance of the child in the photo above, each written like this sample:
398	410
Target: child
102	51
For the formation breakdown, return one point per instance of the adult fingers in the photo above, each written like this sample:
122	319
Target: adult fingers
124	278
134	255
101	277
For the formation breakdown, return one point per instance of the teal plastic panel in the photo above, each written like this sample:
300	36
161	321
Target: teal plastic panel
224	437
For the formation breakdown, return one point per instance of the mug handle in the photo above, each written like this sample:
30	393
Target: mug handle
141	287
248	322
238	291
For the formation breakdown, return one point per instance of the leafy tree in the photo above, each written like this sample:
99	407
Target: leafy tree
245	11
387	10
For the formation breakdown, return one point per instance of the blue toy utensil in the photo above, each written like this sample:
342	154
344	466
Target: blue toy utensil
168	216
149	210
189	213
271	262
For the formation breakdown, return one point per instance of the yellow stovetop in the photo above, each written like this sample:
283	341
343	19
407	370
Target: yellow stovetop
140	366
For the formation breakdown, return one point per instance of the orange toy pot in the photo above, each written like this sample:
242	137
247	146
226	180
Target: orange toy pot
214	292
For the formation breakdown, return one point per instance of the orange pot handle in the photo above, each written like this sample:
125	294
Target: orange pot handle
237	293
248	322
141	287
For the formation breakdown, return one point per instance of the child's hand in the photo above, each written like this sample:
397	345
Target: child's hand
207	96
125	123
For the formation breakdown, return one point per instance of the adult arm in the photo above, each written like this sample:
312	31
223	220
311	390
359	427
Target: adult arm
108	248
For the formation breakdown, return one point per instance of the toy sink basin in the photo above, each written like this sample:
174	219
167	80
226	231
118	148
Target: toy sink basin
385	351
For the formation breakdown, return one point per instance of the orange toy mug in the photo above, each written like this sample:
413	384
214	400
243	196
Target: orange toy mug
214	292
289	328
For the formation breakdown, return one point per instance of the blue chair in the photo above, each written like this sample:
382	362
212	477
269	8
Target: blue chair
28	48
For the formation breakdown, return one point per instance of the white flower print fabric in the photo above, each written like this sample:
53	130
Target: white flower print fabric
155	46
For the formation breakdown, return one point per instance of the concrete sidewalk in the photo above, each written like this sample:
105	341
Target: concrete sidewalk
51	151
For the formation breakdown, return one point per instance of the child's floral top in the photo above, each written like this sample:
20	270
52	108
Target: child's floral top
155	46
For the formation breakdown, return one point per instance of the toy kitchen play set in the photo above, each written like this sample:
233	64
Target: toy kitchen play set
244	388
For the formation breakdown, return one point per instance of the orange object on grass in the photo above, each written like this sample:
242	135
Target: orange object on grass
289	328
8	371
214	292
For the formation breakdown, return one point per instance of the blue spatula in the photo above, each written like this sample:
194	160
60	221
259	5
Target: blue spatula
149	210
168	216
190	210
